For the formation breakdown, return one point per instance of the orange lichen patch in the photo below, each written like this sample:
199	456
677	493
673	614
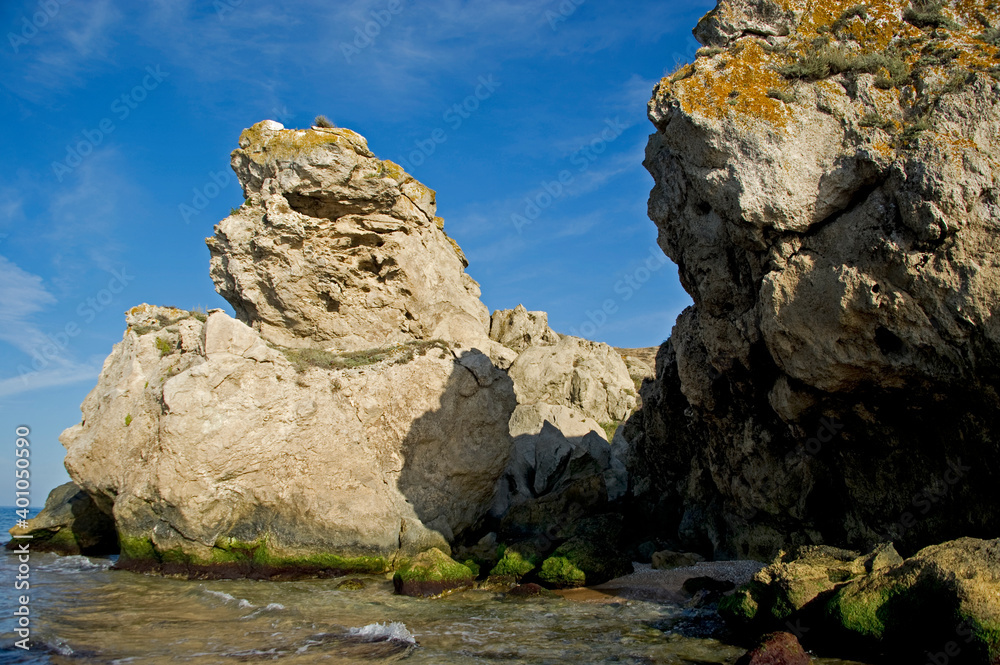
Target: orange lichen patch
968	11
740	87
874	40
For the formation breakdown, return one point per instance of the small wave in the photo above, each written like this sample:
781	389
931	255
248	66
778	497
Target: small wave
221	594
378	632
270	607
75	564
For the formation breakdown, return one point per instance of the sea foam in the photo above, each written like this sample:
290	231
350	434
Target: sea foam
378	632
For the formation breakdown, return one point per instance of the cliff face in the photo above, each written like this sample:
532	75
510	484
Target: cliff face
826	180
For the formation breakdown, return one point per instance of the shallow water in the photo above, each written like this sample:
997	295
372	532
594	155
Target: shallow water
82	612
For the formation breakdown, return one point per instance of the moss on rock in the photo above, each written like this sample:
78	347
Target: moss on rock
232	558
559	572
512	564
431	573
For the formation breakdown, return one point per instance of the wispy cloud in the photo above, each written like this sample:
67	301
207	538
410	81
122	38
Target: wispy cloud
22	294
83	217
75	43
50	378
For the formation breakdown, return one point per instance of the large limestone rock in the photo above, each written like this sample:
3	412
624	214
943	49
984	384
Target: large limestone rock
826	180
336	246
517	328
589	376
212	447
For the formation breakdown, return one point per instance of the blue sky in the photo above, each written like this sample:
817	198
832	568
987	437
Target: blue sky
527	118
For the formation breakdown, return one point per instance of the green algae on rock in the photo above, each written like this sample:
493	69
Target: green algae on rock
513	564
431	573
559	572
783	589
944	593
231	558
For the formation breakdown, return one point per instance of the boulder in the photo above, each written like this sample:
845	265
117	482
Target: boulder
560	573
776	649
827	186
782	590
70	523
216	451
517	328
665	559
589	376
431	573
945	599
337	247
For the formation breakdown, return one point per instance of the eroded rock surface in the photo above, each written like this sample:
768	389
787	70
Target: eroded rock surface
826	180
213	447
338	247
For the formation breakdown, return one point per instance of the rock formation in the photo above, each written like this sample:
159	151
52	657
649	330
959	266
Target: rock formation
70	523
945	599
336	246
826	180
208	444
361	410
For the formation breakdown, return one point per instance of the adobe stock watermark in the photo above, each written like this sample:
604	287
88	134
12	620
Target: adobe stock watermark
366	33
952	649
454	116
224	7
22	581
827	430
552	191
626	288
122	107
51	347
934	492
31	26
563	11
204	195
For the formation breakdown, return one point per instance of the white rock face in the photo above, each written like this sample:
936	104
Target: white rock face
518	328
337	247
589	376
228	440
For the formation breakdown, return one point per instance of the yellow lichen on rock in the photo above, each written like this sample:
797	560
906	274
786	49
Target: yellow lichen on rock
262	143
754	78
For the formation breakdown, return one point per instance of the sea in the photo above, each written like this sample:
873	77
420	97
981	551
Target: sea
80	611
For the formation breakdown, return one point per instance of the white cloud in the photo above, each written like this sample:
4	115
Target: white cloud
22	294
49	378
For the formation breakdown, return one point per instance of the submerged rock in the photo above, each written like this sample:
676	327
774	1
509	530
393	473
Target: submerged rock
826	180
776	649
70	523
